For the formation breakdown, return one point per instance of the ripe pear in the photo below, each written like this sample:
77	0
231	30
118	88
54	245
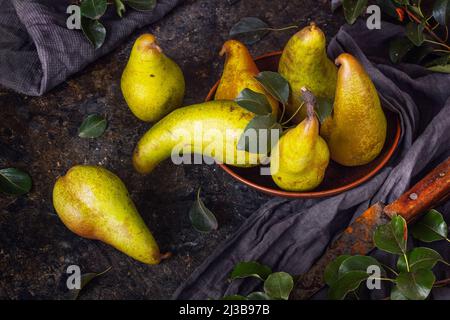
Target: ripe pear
300	158
94	203
239	73
304	63
356	132
152	84
211	128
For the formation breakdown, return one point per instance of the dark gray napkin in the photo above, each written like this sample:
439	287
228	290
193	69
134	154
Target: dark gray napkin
290	235
37	51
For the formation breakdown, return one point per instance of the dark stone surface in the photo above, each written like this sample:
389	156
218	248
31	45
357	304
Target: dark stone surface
40	136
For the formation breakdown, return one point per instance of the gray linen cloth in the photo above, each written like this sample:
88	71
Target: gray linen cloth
290	235
37	51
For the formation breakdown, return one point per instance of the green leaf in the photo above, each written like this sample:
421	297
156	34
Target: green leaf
353	9
254	102
443	69
414	32
142	5
258	295
234	297
246	140
250	269
392	237
275	84
431	227
398	48
93	9
357	263
14	181
415	285
347	283
396	294
331	273
441	11
249	30
85	280
440	61
201	217
94	31
419	258
279	285
120	7
93	126
324	108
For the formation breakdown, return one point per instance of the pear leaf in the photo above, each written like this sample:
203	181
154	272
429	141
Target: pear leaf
357	263
254	102
441	11
279	285
94	31
255	141
93	126
324	108
419	258
201	217
258	295
441	68
414	32
93	9
142	5
250	269
392	237
353	9
331	273
14	181
275	84
249	30
396	294
84	281
415	285
346	284
431	227
120	7
398	48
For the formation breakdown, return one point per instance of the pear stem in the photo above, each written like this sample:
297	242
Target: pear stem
310	100
293	115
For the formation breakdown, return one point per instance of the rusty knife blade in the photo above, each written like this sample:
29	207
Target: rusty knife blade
357	239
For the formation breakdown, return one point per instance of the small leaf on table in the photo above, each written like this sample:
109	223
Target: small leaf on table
258	295
249	30
85	280
94	31
419	258
279	285
93	9
347	283
358	263
234	297
415	285
275	84
414	32
353	9
392	237
250	269
142	5
441	68
331	273
201	217
14	181
396	294
93	126
431	227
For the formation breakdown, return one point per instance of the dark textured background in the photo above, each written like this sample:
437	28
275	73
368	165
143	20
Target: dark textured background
40	136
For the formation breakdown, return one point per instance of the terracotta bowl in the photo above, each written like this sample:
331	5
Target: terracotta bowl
338	178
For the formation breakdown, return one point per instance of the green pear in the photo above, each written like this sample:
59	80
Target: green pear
356	132
152	84
300	158
211	128
94	203
304	63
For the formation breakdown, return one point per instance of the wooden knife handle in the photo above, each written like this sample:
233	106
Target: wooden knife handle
426	194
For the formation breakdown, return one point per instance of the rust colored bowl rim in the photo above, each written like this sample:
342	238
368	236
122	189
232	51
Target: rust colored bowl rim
309	194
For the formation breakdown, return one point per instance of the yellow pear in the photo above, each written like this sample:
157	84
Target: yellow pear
304	63
300	158
356	132
152	84
94	203
211	128
239	73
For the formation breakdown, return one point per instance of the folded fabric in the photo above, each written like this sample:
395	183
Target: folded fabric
290	235
38	51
